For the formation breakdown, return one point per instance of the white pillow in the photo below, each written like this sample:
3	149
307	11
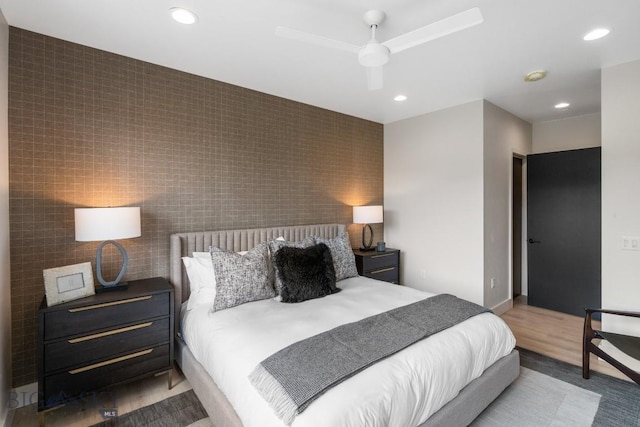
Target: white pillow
202	279
205	255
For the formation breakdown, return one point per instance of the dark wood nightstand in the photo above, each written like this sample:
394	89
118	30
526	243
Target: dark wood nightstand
379	265
102	340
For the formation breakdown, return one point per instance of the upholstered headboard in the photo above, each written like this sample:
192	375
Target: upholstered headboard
184	244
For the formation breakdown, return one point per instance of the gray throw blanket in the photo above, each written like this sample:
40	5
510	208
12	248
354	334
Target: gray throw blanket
291	379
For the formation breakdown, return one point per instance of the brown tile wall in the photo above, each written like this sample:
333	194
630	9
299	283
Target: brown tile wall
90	128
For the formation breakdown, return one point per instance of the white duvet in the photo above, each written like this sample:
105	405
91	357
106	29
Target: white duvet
402	390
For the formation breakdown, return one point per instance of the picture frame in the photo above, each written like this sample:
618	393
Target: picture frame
67	283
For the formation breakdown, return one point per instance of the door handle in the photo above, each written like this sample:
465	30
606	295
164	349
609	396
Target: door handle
531	241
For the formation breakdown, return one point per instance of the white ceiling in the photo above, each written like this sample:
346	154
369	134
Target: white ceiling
235	42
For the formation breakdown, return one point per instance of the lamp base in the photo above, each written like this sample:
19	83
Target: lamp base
369	249
119	287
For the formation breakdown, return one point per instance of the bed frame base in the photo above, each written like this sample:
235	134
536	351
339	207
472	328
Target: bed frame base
478	394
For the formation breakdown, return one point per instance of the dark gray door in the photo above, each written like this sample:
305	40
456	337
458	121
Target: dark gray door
564	230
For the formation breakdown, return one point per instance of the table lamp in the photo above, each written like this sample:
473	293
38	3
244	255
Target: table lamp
108	224
367	215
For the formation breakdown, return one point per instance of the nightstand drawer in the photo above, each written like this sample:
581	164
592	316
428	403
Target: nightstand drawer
388	274
378	261
100	374
98	345
73	321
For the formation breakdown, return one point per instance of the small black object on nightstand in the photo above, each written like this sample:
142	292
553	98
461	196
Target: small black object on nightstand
122	286
384	265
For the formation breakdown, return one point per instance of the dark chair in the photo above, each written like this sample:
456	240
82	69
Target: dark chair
625	343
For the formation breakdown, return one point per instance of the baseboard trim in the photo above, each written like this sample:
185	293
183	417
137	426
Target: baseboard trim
24	395
8	420
18	397
503	307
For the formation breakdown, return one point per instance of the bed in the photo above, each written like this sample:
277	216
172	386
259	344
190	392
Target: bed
468	400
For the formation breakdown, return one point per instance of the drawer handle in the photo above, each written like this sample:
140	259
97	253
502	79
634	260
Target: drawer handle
111	361
109	304
107	333
383	270
382	255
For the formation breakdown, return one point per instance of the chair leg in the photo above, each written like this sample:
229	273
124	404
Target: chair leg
585	365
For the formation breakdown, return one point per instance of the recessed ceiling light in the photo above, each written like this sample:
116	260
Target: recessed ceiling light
534	76
400	98
596	34
562	105
183	16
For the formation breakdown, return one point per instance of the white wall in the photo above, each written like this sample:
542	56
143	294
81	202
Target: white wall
620	193
448	192
504	136
5	283
567	134
433	196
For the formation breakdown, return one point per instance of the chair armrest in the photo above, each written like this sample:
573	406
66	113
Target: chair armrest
615	312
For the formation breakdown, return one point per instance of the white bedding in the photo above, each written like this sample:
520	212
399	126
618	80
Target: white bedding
402	390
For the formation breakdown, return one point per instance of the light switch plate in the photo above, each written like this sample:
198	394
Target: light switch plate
630	243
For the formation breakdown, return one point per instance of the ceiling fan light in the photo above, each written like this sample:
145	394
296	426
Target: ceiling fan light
562	105
535	76
183	16
373	55
596	34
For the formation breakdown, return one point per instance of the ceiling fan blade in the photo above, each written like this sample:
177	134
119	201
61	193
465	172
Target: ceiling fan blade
316	39
374	78
438	29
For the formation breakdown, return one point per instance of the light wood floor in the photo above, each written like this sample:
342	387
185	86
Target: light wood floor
553	334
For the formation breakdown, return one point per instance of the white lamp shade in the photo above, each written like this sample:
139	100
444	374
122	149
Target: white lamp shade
96	224
367	214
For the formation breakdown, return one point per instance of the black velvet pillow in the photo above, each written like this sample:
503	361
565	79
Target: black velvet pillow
306	273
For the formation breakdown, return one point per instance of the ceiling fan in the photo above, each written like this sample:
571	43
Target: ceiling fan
373	55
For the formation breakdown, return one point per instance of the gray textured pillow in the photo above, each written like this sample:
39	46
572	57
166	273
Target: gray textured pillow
275	245
242	278
344	261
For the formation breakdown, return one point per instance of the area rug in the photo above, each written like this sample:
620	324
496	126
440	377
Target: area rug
547	393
